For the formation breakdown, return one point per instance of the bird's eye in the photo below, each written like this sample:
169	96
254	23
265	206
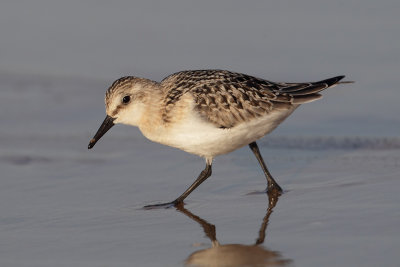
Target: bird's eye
126	99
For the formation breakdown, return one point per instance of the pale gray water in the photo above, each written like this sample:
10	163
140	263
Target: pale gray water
338	158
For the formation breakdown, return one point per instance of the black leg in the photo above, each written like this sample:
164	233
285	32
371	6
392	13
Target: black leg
202	177
272	186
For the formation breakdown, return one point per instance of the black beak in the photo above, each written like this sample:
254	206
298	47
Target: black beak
104	127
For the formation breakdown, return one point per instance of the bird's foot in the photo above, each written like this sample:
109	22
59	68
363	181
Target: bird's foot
167	205
274	189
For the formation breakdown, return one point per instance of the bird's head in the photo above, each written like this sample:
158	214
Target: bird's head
124	102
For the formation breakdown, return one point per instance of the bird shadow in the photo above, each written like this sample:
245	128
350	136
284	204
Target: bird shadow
235	255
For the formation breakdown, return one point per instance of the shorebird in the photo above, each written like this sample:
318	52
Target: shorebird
207	113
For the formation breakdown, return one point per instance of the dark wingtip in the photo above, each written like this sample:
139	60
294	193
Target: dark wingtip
332	81
337	79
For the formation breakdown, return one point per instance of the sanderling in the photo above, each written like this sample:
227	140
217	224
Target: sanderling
206	112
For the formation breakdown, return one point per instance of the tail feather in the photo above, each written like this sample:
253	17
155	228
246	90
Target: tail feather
343	82
315	88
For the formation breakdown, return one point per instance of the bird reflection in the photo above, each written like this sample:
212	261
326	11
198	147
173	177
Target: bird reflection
235	255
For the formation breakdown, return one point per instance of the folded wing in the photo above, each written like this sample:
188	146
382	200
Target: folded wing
227	99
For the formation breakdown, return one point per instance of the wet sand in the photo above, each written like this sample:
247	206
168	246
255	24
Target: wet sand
71	208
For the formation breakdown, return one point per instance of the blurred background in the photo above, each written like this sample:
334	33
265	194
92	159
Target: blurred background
99	41
57	58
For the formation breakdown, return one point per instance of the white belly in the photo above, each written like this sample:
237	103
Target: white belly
202	138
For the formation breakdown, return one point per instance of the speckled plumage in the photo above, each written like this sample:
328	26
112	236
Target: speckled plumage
206	112
228	98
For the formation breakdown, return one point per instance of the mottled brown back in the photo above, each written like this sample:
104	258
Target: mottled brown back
228	98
